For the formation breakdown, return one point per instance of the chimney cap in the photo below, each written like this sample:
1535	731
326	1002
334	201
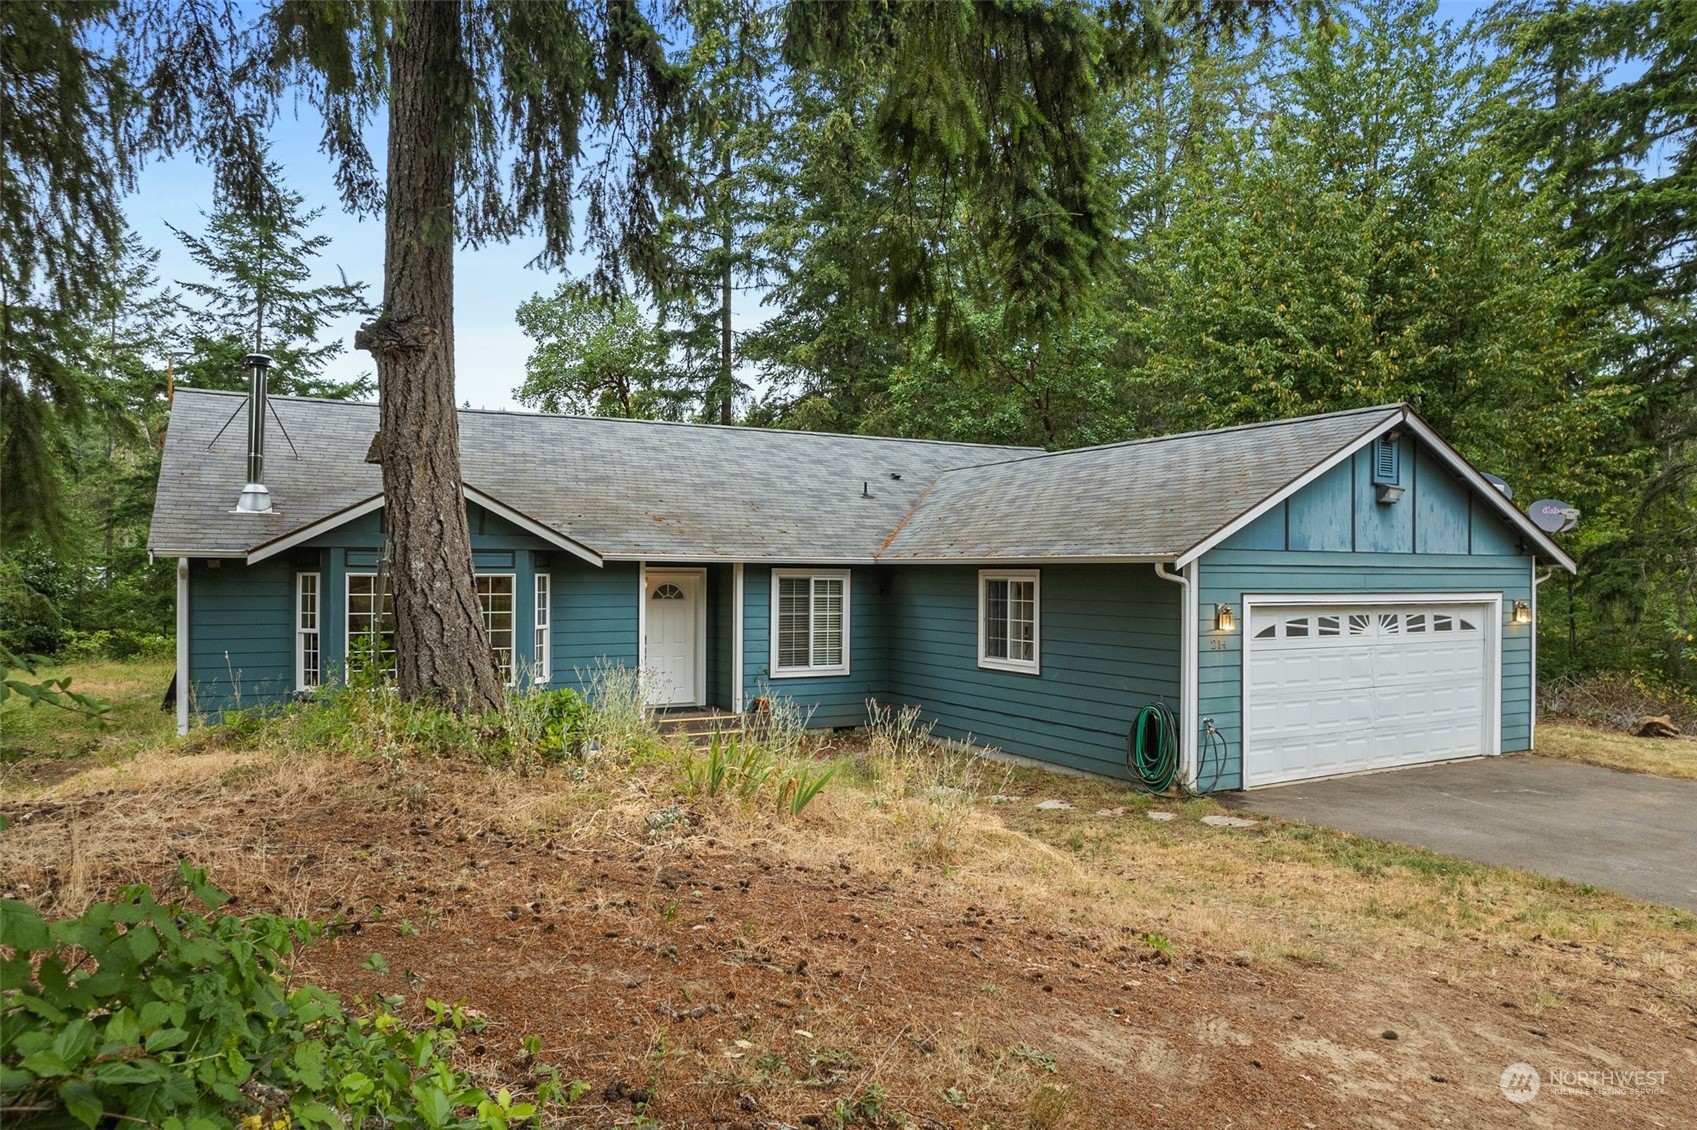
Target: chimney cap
257	360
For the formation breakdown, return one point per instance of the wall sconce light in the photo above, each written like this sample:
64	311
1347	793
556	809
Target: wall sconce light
1522	612
1225	620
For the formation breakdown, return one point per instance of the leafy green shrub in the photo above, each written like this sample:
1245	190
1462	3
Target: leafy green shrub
566	719
147	1012
114	644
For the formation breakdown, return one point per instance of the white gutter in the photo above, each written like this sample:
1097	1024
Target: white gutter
1532	728
182	645
1188	647
736	637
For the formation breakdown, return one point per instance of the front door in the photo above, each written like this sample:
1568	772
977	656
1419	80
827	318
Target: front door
673	648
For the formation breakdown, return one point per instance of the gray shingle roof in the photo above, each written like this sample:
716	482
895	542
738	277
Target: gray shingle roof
631	488
1152	498
199	479
620	487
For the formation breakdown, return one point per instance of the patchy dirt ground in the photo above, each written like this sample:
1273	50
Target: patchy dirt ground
732	970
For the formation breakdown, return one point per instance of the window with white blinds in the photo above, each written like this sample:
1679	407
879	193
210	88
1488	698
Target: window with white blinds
810	623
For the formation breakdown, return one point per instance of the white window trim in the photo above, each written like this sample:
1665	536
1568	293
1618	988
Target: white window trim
301	633
513	674
835	671
542	620
347	606
1019	666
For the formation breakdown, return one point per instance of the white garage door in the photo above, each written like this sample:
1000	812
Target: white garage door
1345	688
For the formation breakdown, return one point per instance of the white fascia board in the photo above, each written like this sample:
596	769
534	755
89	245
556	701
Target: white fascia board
375	502
1462	467
1248	516
311	530
199	554
531	526
844	562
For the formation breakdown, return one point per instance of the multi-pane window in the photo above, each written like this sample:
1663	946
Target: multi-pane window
495	597
371	624
541	643
1007	620
810	617
309	669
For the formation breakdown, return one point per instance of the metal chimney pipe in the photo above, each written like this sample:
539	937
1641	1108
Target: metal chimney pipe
255	498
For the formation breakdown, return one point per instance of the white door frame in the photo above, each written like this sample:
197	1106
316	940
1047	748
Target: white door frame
647	579
1493	650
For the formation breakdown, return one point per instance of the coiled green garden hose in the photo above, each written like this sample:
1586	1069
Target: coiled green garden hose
1151	749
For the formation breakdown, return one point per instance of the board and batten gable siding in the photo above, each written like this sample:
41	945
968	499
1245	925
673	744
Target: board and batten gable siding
1333	536
1338	513
836	700
1108	645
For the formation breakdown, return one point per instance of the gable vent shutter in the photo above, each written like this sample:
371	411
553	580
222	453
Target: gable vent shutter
1385	460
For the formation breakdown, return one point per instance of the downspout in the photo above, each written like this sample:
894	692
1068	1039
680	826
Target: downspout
1187	706
182	645
1532	725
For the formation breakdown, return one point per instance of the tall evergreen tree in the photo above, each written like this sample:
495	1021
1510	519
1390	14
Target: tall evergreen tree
710	232
1606	119
1367	241
494	112
95	573
258	296
87	90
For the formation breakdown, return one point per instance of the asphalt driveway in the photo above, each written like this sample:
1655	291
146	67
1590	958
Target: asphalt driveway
1627	832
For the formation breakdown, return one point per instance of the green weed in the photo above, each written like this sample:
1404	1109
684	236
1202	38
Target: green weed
110	1017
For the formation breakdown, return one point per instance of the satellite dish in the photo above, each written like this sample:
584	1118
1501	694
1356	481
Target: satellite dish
1508	491
1553	517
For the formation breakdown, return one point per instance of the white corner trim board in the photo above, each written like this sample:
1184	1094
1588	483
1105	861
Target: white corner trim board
736	637
182	645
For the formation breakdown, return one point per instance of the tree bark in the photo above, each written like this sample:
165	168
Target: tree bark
441	649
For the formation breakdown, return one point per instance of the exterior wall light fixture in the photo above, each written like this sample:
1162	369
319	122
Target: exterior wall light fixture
1225	620
1522	612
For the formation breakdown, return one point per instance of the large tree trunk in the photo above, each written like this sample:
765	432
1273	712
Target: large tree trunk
441	649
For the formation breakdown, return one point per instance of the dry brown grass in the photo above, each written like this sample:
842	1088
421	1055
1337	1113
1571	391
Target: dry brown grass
1341	929
1663	757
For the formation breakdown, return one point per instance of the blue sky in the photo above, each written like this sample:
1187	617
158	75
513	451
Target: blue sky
490	350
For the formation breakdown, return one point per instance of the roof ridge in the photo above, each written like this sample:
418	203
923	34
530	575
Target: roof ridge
1179	435
693	424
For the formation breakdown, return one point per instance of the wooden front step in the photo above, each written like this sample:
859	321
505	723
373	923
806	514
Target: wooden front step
697	724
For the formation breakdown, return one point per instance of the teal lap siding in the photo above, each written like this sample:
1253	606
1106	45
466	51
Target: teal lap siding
1108	645
241	636
594	618
835	700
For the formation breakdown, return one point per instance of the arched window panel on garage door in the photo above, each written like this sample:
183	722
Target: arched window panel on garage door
1276	623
